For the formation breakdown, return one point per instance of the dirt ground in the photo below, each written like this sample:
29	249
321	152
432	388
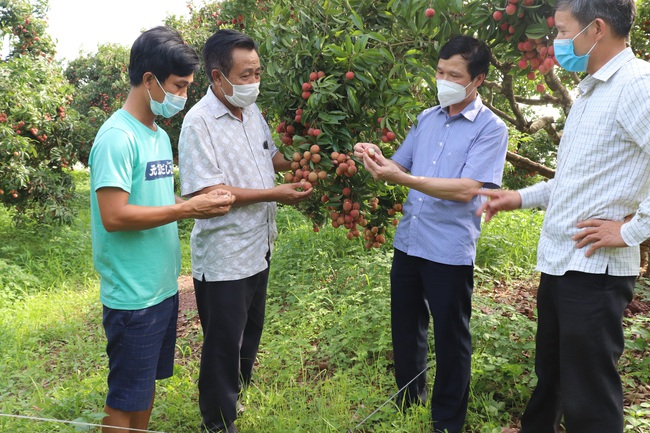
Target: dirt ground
188	316
186	299
522	295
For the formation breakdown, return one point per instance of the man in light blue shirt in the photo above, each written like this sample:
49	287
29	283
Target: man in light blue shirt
456	148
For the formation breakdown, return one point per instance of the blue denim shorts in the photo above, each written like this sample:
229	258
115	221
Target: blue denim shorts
140	348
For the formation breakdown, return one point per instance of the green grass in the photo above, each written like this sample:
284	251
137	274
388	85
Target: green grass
507	247
325	363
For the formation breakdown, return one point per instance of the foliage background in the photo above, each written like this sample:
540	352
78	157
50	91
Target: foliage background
325	363
390	46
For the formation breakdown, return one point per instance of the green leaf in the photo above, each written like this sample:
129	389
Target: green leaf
353	102
537	30
356	20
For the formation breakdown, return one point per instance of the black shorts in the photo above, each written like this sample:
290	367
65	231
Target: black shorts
140	348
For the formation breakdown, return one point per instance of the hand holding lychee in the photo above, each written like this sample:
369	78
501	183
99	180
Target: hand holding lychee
382	168
361	149
215	203
222	194
292	193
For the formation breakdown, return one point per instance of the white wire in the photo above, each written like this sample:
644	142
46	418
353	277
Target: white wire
386	402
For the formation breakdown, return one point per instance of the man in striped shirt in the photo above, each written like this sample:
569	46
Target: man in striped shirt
597	214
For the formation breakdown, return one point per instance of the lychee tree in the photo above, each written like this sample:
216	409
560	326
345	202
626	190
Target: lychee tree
526	90
338	72
22	23
529	93
101	85
345	71
37	128
335	75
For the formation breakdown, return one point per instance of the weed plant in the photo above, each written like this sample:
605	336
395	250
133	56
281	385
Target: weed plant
325	362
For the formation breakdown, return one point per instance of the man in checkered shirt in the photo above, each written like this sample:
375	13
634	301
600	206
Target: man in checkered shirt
225	143
597	214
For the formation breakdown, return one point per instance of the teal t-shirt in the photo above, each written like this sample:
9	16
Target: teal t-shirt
140	268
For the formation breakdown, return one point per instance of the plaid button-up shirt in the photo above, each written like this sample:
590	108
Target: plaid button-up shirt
603	171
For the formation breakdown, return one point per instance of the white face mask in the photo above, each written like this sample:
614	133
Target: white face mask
450	93
243	95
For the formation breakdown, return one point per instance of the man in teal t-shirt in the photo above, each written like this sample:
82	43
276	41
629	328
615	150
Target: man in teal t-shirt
138	268
133	216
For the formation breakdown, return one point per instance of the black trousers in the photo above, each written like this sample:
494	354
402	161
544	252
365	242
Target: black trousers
448	292
232	318
579	342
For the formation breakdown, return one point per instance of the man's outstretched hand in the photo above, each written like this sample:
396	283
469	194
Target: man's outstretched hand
499	200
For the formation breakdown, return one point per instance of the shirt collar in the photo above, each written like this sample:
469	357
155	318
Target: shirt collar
219	109
607	71
471	111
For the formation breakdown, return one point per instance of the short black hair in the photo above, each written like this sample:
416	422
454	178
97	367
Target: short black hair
162	52
217	51
619	14
475	52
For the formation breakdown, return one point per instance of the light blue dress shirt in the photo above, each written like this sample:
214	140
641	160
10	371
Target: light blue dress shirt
472	145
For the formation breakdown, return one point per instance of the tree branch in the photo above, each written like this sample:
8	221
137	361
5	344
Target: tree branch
552	132
509	92
492	85
565	101
541	123
500	113
542	100
531	166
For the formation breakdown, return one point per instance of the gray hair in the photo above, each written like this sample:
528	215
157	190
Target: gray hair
619	14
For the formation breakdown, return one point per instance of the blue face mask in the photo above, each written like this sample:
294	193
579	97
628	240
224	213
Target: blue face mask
566	56
171	105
